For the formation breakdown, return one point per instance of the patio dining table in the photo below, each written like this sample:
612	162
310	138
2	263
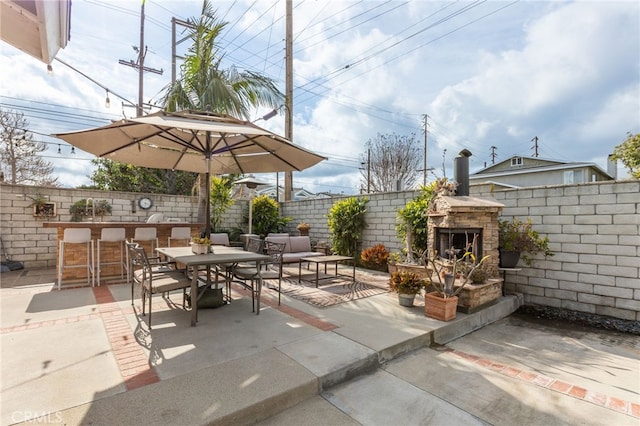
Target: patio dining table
221	255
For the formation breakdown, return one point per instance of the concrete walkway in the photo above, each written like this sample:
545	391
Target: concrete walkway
84	356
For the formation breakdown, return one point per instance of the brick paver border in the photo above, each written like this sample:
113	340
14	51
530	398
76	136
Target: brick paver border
597	398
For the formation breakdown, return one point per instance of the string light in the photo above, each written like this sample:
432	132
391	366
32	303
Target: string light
59	150
73	150
107	102
49	69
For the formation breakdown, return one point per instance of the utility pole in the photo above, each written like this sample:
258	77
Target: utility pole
139	64
288	117
535	146
493	154
174	22
424	162
369	171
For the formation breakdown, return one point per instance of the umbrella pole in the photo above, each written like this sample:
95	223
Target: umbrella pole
207	228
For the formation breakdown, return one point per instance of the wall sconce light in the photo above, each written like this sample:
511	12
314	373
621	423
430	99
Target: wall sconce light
107	102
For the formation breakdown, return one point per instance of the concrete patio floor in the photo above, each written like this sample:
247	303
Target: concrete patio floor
84	356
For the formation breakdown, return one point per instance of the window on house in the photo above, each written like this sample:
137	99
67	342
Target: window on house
573	176
516	161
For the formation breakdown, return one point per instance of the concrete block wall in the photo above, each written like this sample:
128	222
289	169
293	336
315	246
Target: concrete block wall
594	231
27	241
381	217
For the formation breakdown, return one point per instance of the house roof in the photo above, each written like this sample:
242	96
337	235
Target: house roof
541	165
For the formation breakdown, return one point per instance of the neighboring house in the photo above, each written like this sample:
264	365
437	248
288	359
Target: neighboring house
39	28
519	172
241	192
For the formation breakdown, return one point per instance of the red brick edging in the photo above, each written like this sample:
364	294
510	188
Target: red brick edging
597	398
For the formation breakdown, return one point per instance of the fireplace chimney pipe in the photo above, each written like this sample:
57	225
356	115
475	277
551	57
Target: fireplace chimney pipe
461	172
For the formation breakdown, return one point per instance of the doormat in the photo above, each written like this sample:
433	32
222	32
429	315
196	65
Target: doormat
332	290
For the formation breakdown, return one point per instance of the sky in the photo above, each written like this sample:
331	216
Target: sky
490	76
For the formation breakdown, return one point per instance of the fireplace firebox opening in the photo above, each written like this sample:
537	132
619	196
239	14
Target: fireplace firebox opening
458	241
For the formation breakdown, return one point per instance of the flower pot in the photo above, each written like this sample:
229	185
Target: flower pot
440	308
509	258
200	248
406	299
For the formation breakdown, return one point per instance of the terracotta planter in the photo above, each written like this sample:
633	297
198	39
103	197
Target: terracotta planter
440	308
406	299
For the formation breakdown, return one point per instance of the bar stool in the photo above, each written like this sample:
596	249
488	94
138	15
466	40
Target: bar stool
149	235
113	235
77	236
180	233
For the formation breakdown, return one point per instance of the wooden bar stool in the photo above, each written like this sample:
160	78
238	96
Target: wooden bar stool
77	236
113	235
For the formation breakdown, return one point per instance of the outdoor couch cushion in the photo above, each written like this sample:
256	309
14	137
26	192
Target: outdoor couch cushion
295	247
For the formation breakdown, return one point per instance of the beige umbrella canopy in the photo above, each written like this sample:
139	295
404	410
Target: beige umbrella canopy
199	142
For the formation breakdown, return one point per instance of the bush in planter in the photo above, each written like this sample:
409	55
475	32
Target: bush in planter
519	236
375	257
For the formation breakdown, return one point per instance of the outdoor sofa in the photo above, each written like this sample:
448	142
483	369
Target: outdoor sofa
295	247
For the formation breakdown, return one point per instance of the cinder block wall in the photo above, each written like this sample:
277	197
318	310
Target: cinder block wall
594	229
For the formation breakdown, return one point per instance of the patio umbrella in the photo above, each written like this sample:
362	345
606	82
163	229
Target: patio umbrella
201	142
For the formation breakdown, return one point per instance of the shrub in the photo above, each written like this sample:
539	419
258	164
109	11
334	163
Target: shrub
346	223
375	257
405	283
266	216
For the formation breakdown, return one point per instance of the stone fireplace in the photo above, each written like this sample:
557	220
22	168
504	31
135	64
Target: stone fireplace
458	221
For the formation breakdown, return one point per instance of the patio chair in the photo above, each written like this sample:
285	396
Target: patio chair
156	279
270	270
157	265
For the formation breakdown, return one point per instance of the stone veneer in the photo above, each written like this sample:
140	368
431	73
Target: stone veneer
468	213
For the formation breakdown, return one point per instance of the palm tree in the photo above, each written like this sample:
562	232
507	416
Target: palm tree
203	85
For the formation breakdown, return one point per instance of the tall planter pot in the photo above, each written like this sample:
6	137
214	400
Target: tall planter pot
439	308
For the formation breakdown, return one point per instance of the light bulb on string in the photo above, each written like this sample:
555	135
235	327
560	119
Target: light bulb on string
107	102
59	150
73	150
49	69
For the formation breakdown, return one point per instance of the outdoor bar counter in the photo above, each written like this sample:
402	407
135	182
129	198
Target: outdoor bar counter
76	253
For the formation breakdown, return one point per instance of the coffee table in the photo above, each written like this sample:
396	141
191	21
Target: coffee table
326	260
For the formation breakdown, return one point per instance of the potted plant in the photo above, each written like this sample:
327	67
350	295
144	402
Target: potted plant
200	245
303	228
407	285
375	257
451	276
392	261
517	239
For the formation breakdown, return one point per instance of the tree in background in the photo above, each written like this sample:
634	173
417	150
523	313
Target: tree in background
19	159
203	85
114	176
629	153
390	159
